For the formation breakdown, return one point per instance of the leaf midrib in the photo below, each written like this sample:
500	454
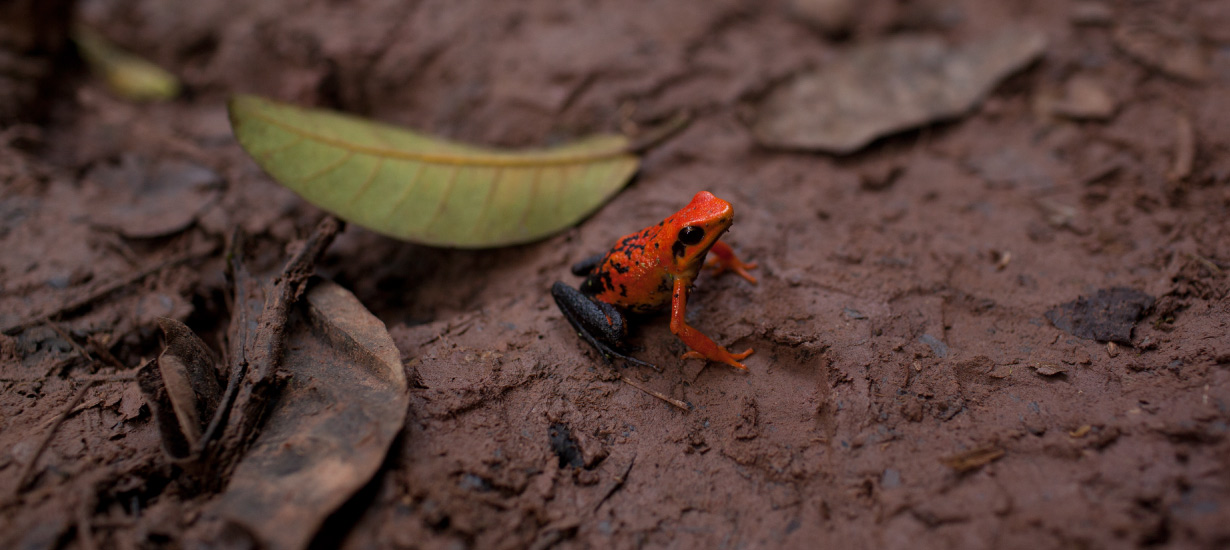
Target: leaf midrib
507	160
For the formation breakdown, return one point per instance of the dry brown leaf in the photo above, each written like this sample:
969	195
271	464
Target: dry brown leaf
888	87
1166	46
330	429
140	198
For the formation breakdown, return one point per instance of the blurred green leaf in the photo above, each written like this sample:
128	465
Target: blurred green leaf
127	75
428	190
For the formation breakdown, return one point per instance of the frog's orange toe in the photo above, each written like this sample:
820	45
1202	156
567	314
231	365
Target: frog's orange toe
742	271
739	268
731	359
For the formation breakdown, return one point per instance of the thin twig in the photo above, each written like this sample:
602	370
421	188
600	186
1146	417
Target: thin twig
101	350
126	376
659	134
1205	262
655	393
65	335
619	482
24	478
115	377
101	291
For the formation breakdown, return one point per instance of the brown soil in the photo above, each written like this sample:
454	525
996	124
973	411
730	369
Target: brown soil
907	390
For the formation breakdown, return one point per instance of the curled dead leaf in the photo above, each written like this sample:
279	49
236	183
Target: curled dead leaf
181	387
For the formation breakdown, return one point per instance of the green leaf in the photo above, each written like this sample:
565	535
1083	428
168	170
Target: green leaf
127	75
424	189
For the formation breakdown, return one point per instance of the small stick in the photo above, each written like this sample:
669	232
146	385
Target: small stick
23	478
655	393
114	377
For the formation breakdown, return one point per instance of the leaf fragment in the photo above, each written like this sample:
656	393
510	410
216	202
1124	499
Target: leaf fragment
424	189
127	75
888	87
972	459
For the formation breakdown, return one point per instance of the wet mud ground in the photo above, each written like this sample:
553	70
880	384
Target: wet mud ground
907	389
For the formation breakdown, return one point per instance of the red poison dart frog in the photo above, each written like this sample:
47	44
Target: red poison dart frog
648	269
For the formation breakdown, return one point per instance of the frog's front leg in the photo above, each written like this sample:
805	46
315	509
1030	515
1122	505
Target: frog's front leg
724	259
702	346
599	323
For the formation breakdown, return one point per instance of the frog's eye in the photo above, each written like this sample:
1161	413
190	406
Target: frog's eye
691	235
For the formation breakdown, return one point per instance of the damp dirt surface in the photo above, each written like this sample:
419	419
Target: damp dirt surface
911	386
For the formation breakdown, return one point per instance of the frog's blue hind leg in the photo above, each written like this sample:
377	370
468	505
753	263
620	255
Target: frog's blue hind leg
599	323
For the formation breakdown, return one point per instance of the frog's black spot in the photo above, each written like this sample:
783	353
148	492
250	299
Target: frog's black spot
621	268
597	283
665	285
623	291
564	446
633	249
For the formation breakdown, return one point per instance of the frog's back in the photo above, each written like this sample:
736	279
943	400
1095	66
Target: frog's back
632	275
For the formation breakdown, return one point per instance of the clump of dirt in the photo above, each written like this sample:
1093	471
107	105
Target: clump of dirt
907	388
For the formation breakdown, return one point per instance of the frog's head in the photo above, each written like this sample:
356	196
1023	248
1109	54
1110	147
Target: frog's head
696	227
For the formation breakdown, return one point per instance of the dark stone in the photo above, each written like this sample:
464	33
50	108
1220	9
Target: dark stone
1109	315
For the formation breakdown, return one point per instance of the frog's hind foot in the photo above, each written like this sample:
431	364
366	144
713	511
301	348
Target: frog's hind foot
610	354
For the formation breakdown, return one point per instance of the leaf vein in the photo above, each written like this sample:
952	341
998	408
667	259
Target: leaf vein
482	211
367	182
406	192
325	170
448	191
